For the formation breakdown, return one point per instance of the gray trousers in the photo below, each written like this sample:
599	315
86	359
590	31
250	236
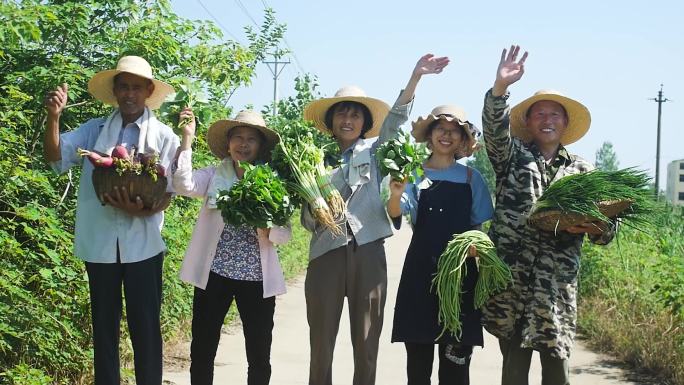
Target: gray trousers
360	274
516	364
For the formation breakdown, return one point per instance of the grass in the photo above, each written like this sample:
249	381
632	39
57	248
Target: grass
632	297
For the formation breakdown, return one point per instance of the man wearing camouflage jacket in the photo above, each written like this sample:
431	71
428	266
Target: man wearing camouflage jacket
525	145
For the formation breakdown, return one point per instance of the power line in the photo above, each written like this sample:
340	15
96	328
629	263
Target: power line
297	62
217	21
246	12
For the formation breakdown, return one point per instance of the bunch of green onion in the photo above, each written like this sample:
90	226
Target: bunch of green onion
582	193
306	185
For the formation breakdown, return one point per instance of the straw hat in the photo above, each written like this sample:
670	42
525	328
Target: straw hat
217	135
101	85
579	118
316	110
449	113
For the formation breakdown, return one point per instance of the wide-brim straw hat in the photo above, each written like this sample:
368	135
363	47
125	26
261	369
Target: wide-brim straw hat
449	113
101	85
579	118
217	135
316	110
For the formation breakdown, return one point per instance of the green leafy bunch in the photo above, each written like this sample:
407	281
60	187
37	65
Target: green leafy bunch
581	193
400	157
259	199
189	95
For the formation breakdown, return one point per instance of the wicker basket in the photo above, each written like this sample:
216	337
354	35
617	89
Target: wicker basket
105	178
557	220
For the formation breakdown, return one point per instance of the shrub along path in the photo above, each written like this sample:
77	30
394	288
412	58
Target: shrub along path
290	351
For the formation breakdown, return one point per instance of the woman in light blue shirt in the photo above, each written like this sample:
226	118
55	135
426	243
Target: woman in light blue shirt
451	198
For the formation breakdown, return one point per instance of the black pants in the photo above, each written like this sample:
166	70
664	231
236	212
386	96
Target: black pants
454	363
142	285
209	308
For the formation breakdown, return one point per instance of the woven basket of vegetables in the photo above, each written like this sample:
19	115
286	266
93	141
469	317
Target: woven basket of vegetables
140	174
622	195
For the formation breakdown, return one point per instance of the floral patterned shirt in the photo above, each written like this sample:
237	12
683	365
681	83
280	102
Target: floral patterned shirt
237	254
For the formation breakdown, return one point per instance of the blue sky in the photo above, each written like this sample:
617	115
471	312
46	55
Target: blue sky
610	55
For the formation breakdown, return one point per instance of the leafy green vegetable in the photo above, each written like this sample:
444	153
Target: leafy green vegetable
400	157
189	95
259	199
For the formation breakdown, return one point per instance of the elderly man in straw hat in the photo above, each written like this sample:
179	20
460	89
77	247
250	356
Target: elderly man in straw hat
120	242
353	264
526	147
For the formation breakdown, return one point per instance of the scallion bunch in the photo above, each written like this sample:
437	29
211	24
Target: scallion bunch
583	193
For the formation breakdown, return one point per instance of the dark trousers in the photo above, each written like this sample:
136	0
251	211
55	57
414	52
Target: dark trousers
516	364
454	363
142	285
209	309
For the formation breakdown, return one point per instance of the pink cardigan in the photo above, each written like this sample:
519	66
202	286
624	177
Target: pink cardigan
202	247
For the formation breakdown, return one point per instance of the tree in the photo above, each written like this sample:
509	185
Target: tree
44	312
606	159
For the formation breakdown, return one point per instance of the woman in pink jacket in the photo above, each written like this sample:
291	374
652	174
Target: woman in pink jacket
226	262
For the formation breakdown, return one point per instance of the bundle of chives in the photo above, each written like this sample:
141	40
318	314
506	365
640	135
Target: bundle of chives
584	194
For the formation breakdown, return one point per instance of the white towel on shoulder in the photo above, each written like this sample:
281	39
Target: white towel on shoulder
224	178
109	136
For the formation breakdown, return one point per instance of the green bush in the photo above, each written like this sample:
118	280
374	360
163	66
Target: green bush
44	304
632	296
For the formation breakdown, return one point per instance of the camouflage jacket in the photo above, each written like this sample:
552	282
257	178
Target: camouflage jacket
541	303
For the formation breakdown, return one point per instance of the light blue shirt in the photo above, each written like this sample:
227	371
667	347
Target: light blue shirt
481	210
99	227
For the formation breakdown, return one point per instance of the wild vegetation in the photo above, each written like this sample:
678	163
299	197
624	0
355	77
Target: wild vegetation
632	296
44	306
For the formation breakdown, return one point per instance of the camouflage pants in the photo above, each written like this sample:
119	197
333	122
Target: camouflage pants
516	364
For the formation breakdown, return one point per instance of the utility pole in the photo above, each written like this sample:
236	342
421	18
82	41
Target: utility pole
276	73
660	102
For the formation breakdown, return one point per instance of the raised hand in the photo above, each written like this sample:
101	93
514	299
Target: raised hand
188	130
429	64
510	69
187	116
397	187
56	100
